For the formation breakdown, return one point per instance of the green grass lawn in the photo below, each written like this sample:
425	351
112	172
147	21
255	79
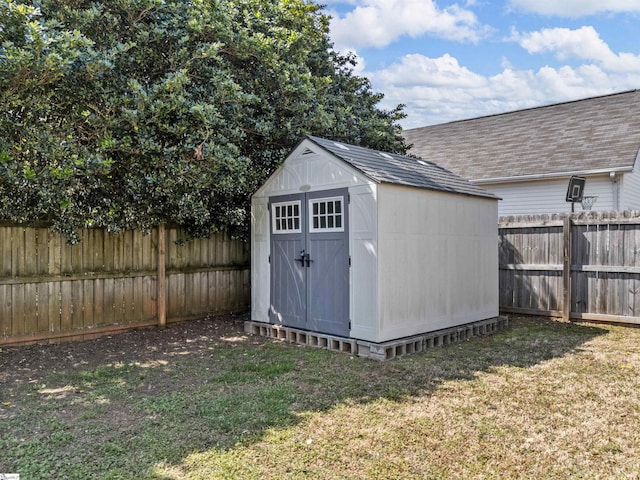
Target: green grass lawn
202	401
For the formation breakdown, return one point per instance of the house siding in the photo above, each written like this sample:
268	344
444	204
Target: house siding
548	196
630	185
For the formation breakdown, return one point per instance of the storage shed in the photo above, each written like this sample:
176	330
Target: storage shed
371	252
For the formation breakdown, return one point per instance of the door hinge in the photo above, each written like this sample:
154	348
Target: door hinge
269	258
349	260
349	324
348	198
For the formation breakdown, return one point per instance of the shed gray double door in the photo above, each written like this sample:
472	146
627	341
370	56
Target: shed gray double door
310	261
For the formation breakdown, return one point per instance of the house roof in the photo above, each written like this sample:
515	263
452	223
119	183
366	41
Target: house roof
383	167
585	136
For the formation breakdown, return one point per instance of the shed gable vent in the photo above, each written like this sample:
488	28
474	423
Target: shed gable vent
307	151
339	145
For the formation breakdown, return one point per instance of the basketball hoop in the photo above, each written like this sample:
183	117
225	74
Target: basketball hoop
587	202
575	189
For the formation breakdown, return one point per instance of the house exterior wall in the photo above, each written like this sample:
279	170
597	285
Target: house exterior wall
630	189
308	172
548	196
437	260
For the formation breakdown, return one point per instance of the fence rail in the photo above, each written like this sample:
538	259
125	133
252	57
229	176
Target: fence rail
582	266
50	290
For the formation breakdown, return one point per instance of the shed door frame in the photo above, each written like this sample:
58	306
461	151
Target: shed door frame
310	261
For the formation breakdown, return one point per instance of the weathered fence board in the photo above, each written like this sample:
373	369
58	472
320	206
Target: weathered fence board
579	266
531	267
50	290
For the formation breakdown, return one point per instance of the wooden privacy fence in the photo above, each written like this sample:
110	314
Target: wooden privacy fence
50	290
583	266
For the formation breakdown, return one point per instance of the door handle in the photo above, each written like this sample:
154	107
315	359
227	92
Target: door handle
301	259
308	260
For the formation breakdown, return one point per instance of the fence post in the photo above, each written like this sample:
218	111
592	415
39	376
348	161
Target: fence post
162	279
566	269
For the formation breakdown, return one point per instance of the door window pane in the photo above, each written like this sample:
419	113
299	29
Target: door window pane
286	217
326	215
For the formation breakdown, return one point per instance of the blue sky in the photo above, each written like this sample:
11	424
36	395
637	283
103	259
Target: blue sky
453	60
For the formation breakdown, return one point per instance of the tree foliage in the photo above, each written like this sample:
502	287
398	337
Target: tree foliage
130	113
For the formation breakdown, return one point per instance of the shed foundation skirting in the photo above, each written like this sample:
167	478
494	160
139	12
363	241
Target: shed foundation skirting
378	351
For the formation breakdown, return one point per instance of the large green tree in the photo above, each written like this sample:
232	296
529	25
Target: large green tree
131	113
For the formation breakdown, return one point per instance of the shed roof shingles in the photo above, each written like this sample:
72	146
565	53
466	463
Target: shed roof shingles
385	167
583	135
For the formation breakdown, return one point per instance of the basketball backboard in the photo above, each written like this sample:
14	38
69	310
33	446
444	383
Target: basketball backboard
575	190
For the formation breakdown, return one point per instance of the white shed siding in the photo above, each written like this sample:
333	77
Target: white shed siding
363	218
260	269
548	196
437	262
311	172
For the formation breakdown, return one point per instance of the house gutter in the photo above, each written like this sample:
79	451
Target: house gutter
545	176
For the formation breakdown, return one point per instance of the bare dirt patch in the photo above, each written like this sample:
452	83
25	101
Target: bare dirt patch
145	346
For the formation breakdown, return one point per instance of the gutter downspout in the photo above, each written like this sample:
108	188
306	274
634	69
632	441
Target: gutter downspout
615	191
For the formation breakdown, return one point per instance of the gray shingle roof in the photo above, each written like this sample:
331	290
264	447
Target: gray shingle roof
579	136
385	167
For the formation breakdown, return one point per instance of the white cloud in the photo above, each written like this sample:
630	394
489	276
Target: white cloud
576	8
440	89
437	90
584	43
377	23
418	70
505	63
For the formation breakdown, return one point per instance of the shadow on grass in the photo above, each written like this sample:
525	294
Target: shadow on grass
205	389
